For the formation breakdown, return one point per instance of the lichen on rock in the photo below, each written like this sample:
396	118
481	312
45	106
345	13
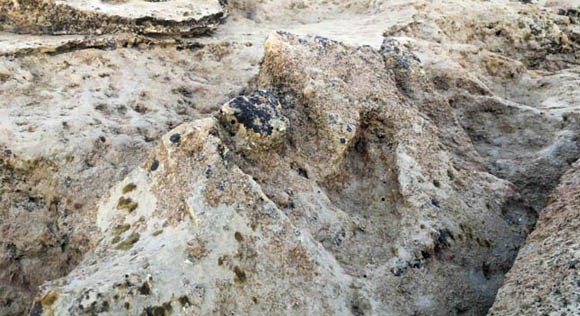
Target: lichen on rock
254	123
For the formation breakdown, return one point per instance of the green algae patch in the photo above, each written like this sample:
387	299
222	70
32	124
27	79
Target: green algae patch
119	229
129	187
240	275
184	301
127	204
129	242
49	298
164	310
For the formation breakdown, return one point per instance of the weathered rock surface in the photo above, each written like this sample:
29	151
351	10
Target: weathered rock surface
182	17
62	95
511	73
75	122
545	279
497	83
19	45
324	197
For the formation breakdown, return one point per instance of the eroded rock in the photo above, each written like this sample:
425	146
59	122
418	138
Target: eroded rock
60	17
510	73
545	277
351	213
515	100
528	33
76	122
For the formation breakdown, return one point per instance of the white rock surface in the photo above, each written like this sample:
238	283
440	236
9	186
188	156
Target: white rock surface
59	17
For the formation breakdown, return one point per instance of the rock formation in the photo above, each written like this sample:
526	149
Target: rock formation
72	125
321	196
545	278
76	123
512	83
111	16
348	178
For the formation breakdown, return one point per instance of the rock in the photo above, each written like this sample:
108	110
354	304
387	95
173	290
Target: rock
92	106
76	119
19	45
332	193
512	83
79	113
255	123
522	32
545	277
102	17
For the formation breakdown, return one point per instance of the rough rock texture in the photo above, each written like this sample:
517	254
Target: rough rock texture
20	45
333	195
545	279
92	107
75	121
54	168
184	17
511	73
79	113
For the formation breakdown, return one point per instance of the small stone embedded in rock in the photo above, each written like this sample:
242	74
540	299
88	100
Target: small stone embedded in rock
175	138
436	203
254	122
154	165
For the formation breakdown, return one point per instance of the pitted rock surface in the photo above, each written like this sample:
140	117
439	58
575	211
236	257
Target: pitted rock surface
545	277
390	202
352	203
255	122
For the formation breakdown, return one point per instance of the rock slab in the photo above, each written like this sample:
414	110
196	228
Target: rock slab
57	17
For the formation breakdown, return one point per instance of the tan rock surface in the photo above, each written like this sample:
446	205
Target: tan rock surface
85	81
545	280
329	202
510	72
523	129
78	121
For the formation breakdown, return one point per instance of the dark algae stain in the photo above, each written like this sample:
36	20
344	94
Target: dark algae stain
240	275
255	112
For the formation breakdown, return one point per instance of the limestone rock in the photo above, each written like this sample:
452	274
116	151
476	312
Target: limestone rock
183	17
510	72
77	115
545	277
19	45
523	32
360	209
